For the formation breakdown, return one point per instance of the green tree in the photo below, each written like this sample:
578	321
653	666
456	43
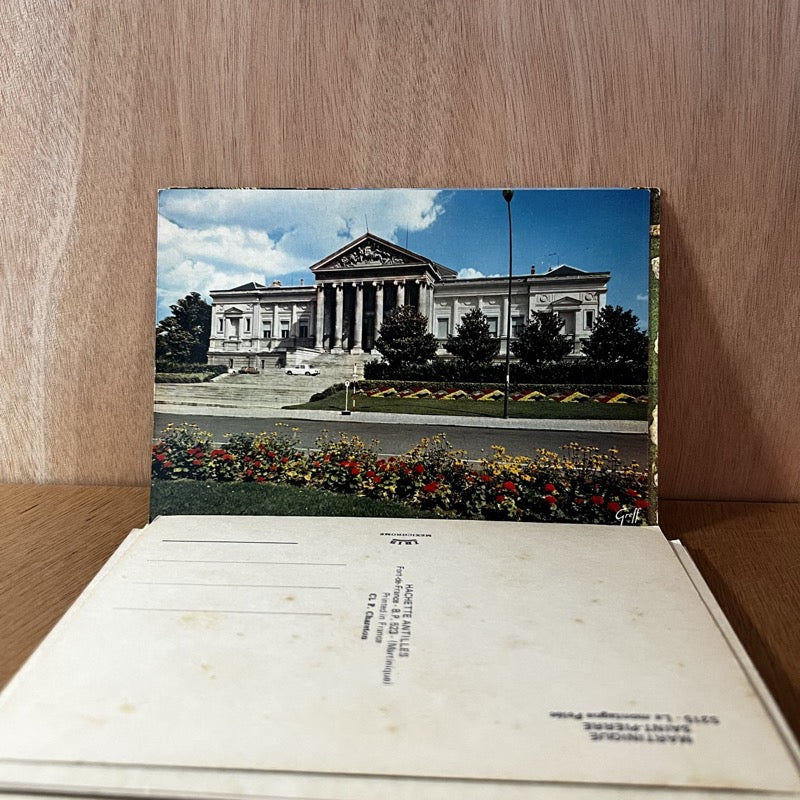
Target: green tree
540	339
184	335
473	343
616	338
404	339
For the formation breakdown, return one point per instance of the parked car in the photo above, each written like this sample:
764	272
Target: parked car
302	369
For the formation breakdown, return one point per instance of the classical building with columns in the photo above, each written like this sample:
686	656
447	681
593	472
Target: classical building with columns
354	288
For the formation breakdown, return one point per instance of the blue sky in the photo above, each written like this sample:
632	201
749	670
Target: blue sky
221	238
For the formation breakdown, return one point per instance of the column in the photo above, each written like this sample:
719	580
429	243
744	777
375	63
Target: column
358	328
401	293
293	320
256	332
320	320
378	306
276	322
422	306
503	332
338	300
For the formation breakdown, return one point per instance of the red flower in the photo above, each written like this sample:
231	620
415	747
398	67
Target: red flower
485	478
632	492
160	456
419	469
597	500
550	499
271	453
430	487
256	464
285	460
260	479
167	464
354	471
378	479
613	506
198	462
641	503
273	468
509	486
370	473
548	487
500	498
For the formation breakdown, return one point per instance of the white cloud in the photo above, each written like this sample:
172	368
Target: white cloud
216	239
470	272
642	297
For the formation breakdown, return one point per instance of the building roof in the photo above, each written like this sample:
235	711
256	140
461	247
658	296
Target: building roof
245	287
564	271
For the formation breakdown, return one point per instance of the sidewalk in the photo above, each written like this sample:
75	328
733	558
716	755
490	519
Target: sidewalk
438	420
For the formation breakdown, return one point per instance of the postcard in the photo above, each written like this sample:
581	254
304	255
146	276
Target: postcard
473	354
560	654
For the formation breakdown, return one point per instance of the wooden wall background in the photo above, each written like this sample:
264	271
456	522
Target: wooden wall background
104	103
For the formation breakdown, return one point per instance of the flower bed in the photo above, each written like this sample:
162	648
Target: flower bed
414	391
581	484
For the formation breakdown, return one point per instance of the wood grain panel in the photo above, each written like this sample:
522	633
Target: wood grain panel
53	540
104	103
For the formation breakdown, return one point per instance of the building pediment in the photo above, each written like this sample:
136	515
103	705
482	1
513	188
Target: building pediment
370	252
566	302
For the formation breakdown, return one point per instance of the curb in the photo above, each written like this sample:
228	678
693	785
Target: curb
631	427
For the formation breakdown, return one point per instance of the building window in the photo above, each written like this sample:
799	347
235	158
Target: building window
492	322
517	323
442	327
247	324
284	330
588	320
302	328
220	324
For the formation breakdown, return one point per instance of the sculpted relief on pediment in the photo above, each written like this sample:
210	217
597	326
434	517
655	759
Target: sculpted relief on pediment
367	254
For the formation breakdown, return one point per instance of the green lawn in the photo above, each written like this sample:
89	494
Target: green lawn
211	497
483	408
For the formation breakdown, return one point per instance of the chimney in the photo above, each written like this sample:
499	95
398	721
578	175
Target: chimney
533	269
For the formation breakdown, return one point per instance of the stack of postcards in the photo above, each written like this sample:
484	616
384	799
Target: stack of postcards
298	657
532	639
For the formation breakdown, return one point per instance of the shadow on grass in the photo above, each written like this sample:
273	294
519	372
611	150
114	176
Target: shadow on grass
266	499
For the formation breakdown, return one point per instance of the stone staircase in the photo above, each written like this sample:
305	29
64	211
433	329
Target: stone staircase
272	388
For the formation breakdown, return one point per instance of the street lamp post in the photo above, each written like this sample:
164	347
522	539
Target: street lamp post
507	195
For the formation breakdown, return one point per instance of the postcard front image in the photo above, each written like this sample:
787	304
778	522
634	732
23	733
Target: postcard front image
470	354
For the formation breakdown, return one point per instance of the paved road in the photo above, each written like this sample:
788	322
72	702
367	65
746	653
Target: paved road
400	437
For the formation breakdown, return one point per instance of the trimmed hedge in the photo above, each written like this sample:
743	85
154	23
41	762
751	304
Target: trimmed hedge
573	372
183	377
635	390
174	367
